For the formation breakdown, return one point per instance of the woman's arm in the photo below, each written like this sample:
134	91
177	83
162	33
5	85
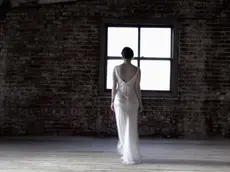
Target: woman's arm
138	89
114	85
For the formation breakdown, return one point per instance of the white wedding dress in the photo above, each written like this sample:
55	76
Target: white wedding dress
126	107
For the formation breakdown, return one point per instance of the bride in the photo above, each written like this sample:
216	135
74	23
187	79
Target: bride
126	102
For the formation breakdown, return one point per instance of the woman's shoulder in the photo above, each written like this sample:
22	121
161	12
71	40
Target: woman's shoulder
117	66
137	68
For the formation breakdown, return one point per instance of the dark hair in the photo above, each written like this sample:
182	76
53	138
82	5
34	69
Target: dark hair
127	53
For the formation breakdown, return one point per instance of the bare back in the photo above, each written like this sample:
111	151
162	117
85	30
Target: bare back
126	71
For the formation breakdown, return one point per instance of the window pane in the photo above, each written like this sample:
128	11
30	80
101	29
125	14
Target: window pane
110	65
120	37
155	75
155	42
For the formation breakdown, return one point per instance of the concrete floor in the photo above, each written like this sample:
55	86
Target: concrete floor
74	154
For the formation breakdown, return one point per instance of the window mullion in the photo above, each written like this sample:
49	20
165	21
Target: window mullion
155	58
114	58
139	46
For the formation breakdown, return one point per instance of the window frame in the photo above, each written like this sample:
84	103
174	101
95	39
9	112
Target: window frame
140	23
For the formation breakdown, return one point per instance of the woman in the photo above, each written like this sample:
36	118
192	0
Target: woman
126	102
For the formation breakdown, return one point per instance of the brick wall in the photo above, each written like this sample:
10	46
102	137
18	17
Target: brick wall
49	77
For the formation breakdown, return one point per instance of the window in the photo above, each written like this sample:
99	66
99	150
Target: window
155	52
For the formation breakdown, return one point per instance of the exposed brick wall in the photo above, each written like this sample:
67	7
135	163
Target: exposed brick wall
50	70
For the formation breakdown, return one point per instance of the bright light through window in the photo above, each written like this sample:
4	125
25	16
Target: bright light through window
120	37
155	75
156	42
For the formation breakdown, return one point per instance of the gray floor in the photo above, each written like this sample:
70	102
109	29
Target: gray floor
70	154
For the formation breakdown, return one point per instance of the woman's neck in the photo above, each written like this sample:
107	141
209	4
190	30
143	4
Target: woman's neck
127	61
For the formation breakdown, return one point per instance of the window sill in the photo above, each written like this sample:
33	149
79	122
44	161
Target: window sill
147	95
